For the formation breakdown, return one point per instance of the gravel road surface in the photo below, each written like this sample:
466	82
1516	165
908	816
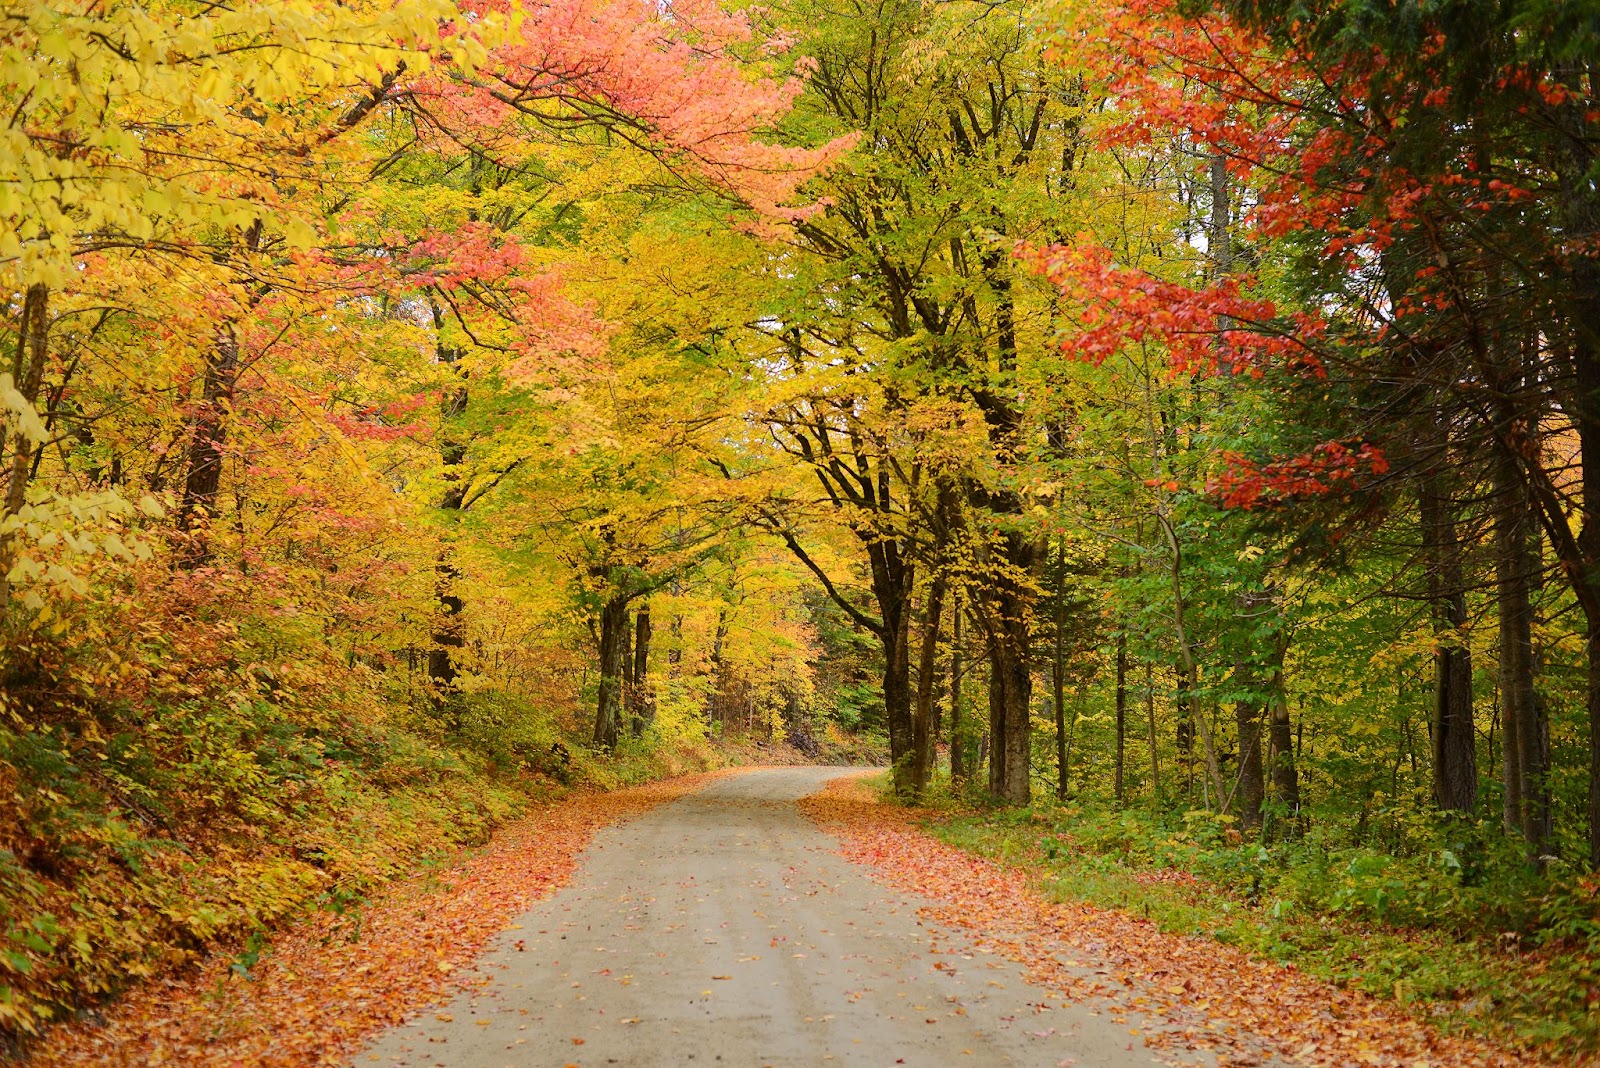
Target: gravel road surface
721	930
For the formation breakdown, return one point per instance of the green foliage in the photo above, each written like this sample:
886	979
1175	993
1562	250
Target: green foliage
1491	945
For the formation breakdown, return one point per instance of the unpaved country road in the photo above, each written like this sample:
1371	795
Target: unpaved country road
721	929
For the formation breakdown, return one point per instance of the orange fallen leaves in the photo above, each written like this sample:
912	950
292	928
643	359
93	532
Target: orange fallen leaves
321	991
1212	996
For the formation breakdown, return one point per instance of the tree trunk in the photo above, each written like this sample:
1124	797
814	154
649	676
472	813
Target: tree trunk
608	704
1280	740
923	736
643	709
1183	733
1122	714
716	713
1525	806
1581	561
1010	593
675	631
1150	714
958	738
449	634
27	376
897	695
1191	668
1058	680
624	722
208	438
1010	696
1219	234
1584	572
1455	770
1247	718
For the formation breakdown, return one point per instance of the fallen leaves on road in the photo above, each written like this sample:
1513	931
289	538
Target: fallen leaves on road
327	983
1207	995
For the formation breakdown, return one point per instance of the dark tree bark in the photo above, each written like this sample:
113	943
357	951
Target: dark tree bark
1247	718
958	740
717	712
897	695
1280	740
449	630
923	735
1580	558
209	430
1008	592
1183	733
1010	693
642	707
1584	571
1455	766
625	722
675	650
894	578
608	704
449	637
1058	680
208	438
1525	801
1150	716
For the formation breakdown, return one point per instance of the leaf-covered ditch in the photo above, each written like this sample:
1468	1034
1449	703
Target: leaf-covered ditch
1242	977
321	986
1465	935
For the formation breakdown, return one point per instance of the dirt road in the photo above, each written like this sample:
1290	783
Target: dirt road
721	929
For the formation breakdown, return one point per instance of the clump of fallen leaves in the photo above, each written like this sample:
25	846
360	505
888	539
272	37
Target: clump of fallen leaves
1205	995
332	979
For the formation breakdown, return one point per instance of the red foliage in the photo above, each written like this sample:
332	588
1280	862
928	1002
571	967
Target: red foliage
1246	484
1201	329
674	81
1282	123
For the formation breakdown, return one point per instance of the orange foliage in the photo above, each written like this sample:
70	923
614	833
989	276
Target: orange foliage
1217	997
331	980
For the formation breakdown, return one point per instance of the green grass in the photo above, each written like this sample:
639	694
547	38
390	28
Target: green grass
1485	946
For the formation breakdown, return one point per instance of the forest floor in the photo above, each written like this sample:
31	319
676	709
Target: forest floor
320	986
1213	996
779	916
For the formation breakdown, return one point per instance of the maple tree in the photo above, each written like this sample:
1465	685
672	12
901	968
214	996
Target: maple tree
292	309
1359	168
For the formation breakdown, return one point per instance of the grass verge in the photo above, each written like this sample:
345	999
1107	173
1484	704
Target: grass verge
1525	974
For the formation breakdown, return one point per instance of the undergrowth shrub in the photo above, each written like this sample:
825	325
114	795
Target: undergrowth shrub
1461	922
183	763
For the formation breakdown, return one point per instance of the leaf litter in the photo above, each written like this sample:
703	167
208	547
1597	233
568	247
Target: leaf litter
1208	995
329	981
